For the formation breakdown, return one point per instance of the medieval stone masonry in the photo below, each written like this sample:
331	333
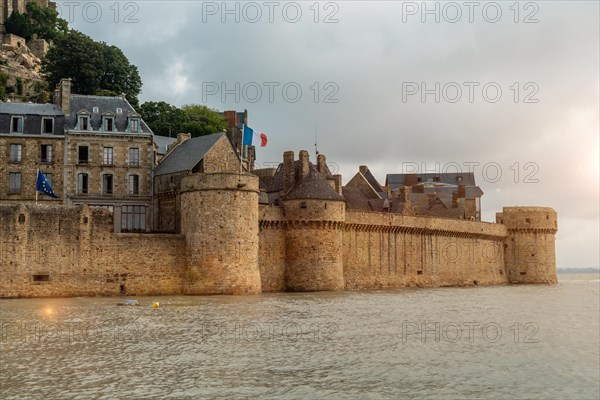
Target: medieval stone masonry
211	226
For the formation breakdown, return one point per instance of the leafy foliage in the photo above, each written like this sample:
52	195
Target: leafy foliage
201	120
167	120
3	82
45	21
18	24
163	118
95	67
41	21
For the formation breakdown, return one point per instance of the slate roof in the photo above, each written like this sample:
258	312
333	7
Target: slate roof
30	108
473	191
314	186
187	155
397	180
104	104
163	143
371	179
356	198
33	114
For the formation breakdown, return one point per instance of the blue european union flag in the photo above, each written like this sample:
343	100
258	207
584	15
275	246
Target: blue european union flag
247	137
44	187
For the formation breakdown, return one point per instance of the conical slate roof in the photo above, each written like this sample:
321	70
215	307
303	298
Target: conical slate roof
314	186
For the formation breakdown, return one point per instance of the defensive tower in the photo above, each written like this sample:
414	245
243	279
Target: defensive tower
529	249
219	218
314	218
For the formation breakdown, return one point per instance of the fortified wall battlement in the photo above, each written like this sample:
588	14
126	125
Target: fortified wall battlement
231	245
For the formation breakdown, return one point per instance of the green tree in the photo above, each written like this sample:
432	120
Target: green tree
119	75
45	21
95	67
163	118
18	24
42	21
3	82
201	120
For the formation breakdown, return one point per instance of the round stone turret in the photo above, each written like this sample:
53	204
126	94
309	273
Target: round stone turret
529	250
219	218
315	215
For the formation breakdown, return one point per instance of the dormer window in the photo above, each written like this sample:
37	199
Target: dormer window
84	122
16	125
108	123
47	125
119	111
134	125
95	109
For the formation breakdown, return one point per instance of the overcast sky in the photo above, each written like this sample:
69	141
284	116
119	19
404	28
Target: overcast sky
517	88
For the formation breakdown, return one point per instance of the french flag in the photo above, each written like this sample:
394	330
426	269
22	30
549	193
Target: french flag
250	137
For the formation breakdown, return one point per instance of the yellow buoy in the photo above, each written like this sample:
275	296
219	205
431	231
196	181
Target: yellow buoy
156	304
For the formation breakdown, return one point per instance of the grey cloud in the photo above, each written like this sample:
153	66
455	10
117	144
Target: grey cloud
369	54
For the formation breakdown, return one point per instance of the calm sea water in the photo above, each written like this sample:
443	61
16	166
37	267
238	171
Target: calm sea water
486	342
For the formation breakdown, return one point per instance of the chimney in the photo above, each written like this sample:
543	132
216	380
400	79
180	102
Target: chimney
304	165
410	179
289	180
321	164
338	183
405	194
182	137
462	192
231	117
363	169
62	95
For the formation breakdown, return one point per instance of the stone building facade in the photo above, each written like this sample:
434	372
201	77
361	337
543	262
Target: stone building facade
31	137
94	150
109	156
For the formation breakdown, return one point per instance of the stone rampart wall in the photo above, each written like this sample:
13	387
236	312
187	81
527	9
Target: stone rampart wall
59	251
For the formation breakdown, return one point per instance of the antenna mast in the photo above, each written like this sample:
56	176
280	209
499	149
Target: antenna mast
316	147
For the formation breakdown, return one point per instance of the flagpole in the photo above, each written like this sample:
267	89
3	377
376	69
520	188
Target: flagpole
36	191
241	148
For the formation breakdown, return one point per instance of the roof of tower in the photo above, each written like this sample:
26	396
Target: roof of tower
314	186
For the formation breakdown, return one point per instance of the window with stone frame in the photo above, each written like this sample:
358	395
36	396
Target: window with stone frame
83	154
134	156
107	156
46	153
134	184
14	185
16	152
107	184
82	183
